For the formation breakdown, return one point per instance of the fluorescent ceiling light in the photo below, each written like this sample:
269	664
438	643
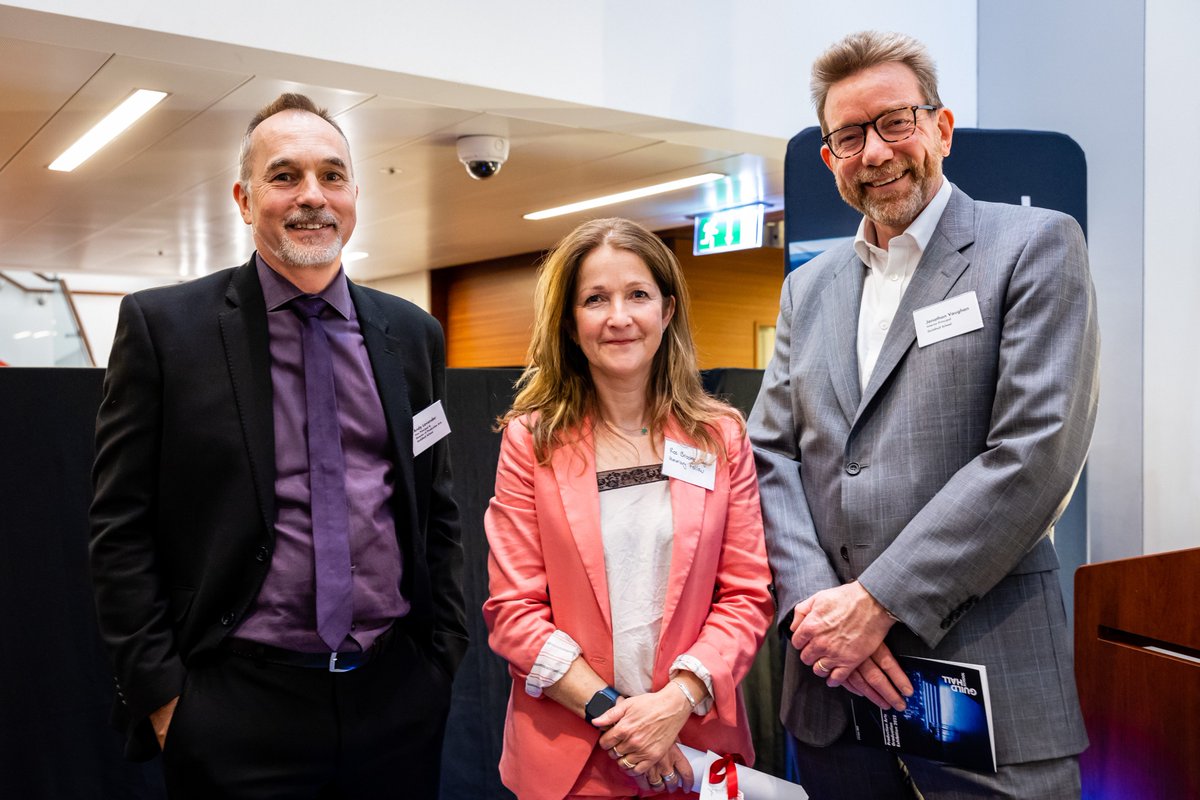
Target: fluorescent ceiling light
108	129
621	197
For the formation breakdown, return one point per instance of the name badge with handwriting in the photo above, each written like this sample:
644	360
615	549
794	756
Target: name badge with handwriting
689	464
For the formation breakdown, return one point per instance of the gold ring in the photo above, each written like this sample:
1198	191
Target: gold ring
624	762
820	667
617	753
654	785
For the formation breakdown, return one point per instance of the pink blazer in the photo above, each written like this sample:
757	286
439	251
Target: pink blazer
546	571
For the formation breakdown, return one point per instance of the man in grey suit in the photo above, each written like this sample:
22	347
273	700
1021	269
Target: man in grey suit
920	428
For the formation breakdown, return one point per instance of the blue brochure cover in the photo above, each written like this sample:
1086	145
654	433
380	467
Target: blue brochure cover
949	716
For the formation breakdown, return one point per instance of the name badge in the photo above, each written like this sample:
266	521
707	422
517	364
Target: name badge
689	464
947	319
429	427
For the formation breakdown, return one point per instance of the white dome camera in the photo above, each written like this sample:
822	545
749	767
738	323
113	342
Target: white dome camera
482	155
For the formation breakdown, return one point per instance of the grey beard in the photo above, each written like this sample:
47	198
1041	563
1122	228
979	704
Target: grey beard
298	255
898	212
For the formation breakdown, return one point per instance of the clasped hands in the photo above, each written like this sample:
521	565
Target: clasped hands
839	633
641	735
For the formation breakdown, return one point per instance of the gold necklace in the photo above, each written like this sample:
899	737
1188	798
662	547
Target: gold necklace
642	431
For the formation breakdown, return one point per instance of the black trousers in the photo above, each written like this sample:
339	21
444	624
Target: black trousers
245	728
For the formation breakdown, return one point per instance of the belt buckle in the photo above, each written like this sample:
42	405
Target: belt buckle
333	667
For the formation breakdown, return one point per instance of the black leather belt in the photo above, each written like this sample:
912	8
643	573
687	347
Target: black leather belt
331	662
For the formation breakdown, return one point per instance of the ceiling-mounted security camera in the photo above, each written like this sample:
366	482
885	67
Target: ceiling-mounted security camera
482	155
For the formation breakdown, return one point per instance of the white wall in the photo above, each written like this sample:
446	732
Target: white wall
413	286
1172	277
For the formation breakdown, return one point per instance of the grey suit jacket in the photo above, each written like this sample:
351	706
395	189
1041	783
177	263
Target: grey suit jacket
936	484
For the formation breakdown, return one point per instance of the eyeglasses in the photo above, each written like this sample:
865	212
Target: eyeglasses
892	126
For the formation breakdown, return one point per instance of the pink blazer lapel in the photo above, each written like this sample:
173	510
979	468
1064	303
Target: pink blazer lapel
575	471
688	502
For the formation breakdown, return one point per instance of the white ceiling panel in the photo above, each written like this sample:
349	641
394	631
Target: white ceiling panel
158	200
37	80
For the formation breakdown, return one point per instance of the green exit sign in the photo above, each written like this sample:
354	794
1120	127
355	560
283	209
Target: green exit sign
732	229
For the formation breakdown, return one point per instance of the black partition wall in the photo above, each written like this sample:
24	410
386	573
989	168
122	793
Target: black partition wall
55	684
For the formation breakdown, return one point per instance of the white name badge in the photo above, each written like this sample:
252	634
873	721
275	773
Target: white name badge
947	319
689	464
429	427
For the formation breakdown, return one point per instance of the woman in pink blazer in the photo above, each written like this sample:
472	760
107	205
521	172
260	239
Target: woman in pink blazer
628	575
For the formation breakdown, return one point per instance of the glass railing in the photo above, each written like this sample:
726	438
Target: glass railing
38	323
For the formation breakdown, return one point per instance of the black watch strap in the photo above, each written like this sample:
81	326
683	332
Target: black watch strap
601	701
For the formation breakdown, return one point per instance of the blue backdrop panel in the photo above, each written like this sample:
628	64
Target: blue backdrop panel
1000	166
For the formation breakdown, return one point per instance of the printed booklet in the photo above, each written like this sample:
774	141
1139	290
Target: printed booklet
949	716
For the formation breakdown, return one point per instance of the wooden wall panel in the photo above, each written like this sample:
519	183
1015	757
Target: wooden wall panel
487	311
732	293
487	308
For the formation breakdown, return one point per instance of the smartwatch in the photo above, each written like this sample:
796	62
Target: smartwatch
601	701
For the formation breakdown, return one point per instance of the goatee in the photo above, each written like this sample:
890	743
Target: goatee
302	255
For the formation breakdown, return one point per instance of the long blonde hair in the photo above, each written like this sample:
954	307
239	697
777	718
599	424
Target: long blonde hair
557	383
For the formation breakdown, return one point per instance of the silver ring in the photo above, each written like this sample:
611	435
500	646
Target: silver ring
617	753
670	777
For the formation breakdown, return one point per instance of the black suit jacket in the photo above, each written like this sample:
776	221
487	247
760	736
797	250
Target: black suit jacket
184	506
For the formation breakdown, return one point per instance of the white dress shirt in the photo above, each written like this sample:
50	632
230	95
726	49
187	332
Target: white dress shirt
888	274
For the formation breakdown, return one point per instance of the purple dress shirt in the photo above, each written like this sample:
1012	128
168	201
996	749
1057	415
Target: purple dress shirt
284	614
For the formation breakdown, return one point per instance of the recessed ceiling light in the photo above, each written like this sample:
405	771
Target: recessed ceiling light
108	129
621	197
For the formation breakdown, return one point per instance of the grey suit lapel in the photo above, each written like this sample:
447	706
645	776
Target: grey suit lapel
935	276
839	320
244	333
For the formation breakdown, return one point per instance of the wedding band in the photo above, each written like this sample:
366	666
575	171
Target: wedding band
617	753
654	785
624	762
820	667
669	777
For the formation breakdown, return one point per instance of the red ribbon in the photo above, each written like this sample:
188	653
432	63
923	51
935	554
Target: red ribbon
725	769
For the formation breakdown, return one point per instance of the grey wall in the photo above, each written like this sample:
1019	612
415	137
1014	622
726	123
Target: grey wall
1079	68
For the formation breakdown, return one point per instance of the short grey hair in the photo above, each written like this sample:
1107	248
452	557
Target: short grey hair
288	101
866	49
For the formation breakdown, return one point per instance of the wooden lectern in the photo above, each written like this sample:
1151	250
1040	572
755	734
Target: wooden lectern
1137	661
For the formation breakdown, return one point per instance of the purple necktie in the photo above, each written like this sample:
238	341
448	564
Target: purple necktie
326	478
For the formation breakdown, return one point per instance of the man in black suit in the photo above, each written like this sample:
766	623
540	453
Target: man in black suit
276	560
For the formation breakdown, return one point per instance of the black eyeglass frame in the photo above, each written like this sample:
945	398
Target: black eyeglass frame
872	124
